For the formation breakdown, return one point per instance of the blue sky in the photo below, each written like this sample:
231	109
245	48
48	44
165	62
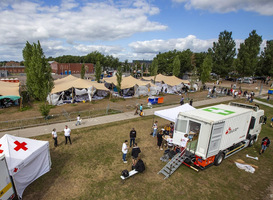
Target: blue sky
128	29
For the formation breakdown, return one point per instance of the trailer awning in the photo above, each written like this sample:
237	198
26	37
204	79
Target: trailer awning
172	113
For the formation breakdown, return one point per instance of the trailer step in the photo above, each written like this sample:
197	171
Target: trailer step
173	164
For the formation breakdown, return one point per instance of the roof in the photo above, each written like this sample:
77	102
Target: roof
127	82
74	82
169	80
9	89
216	113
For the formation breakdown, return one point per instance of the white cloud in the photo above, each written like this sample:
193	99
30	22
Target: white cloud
156	46
71	22
263	7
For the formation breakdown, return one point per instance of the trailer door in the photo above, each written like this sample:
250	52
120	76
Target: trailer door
215	139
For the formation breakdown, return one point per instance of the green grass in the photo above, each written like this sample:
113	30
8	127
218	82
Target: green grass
91	166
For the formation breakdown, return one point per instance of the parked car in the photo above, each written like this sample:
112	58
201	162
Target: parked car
248	80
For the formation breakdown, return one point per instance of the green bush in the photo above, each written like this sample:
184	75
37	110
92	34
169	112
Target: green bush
45	109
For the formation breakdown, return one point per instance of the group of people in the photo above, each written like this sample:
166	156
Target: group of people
67	132
135	150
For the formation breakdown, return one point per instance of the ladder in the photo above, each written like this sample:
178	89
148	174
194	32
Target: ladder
173	164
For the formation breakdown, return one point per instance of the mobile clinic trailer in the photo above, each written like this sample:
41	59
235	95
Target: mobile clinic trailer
215	133
7	191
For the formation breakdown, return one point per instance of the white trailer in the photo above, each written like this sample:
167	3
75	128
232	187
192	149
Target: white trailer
7	191
217	132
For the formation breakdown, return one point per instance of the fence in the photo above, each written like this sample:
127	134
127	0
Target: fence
111	108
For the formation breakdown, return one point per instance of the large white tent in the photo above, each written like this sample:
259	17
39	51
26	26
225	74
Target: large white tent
27	159
172	113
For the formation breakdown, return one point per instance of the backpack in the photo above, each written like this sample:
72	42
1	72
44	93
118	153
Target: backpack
140	167
125	173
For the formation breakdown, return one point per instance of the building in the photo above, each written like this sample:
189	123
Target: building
70	68
13	69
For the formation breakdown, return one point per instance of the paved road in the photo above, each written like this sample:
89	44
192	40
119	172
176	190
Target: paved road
46	129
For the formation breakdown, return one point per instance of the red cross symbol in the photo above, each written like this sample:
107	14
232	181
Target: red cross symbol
20	146
15	170
1	151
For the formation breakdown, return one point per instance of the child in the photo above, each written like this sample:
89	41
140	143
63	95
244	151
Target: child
78	120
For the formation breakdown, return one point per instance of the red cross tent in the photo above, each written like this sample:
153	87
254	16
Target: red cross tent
27	159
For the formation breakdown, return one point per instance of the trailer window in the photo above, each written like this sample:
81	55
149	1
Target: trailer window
252	123
261	120
181	125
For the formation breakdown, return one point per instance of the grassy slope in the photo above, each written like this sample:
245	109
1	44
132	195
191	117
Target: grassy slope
91	166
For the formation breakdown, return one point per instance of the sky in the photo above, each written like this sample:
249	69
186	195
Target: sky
128	29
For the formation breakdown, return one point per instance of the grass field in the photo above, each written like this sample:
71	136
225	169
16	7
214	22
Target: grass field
90	168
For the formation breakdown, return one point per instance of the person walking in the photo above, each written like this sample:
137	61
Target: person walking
265	143
154	129
78	120
54	136
124	151
67	132
132	137
135	152
182	100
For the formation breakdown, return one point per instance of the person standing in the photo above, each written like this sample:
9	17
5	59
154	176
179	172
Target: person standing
54	136
191	101
124	151
132	137
78	120
154	129
67	132
160	139
135	152
184	142
265	143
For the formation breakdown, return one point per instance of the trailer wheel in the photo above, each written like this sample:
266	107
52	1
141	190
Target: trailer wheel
219	159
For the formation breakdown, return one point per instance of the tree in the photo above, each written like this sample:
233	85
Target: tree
39	80
154	68
82	71
206	69
98	71
266	63
119	77
248	54
223	53
176	66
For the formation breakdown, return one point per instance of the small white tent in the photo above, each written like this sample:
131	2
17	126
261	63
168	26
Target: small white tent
172	113
27	159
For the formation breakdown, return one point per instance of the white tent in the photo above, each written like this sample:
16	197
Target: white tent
27	159
172	113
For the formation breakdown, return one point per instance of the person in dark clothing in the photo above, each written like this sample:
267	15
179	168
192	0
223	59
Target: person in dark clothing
135	152
160	139
132	137
265	143
191	102
265	118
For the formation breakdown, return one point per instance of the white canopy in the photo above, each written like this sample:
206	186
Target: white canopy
172	113
27	159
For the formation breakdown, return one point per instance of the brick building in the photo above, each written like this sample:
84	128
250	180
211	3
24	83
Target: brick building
70	68
13	69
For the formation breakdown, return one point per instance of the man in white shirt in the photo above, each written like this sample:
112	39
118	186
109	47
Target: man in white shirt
54	136
184	142
67	132
124	150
